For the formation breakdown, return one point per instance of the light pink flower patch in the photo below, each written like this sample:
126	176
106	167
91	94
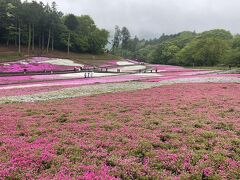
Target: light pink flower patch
31	90
79	81
181	131
181	75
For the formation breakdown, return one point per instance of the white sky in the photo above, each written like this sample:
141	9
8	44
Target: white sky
151	18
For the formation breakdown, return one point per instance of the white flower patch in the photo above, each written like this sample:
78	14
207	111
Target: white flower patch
23	62
148	74
62	62
124	63
129	68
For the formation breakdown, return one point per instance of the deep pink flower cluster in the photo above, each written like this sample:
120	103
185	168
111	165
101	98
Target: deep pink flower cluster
33	67
188	131
35	64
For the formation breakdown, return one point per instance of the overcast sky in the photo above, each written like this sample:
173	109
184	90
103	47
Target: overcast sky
151	18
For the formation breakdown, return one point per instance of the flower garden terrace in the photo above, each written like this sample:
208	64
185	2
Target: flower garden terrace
42	69
170	124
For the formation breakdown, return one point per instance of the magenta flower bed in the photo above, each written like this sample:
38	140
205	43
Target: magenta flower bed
82	81
55	80
188	131
14	79
34	67
35	64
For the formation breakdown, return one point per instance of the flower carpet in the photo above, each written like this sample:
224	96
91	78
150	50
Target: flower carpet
38	64
175	123
188	131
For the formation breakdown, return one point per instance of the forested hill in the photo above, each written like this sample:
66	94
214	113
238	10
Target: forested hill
42	26
209	48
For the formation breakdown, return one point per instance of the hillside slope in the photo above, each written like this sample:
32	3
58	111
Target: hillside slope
10	54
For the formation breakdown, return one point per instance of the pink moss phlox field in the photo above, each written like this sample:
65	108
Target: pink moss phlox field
58	80
181	131
80	81
180	75
31	90
32	78
35	64
34	67
28	78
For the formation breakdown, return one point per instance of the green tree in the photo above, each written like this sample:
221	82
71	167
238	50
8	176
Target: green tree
7	19
117	39
232	57
165	53
203	51
217	34
125	38
30	22
236	41
98	40
72	24
85	25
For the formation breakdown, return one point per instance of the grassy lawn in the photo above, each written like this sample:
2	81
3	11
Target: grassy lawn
4	57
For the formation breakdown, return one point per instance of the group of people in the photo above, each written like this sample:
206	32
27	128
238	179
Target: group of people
88	74
78	69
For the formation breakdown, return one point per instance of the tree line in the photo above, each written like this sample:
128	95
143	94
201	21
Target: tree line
209	48
42	26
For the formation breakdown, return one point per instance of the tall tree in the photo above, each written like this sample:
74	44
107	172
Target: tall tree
98	40
28	20
165	53
117	39
125	37
7	19
25	23
72	23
